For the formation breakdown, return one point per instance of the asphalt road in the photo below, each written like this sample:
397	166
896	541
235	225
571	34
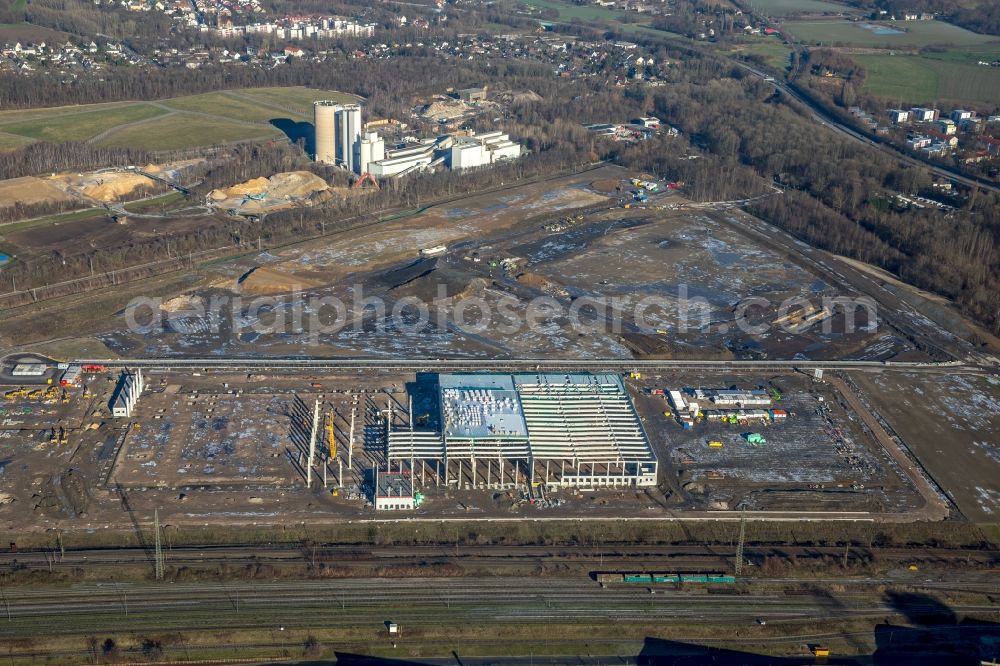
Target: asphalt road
822	116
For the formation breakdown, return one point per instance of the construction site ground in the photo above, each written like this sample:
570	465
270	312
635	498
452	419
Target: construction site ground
565	239
820	457
228	448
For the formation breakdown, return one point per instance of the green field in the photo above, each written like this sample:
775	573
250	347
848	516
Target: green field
568	12
19	115
920	79
183	130
916	34
774	53
224	105
294	100
781	8
10	142
608	17
82	126
59	218
179	123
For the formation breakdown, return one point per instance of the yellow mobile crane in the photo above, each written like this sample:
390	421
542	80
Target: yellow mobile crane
330	439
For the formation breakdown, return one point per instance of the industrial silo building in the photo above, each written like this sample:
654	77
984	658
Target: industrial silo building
325	124
349	136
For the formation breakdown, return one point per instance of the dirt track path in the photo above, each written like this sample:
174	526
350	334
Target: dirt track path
934	507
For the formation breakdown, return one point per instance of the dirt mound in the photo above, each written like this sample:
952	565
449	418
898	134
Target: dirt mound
30	190
181	303
262	281
441	282
527	97
605	185
543	283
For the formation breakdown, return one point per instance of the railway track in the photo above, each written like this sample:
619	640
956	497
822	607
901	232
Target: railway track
97	607
609	556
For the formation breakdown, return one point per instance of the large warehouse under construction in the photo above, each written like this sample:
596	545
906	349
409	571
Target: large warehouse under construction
501	431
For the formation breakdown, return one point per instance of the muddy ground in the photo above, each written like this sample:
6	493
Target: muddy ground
951	423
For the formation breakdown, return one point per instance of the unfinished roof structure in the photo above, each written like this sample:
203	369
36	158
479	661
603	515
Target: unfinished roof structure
500	430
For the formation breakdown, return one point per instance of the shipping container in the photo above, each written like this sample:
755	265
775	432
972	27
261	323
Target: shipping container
638	578
666	578
694	578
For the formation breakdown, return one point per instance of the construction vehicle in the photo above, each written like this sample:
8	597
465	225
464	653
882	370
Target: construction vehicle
775	394
331	440
16	393
366	178
715	444
820	651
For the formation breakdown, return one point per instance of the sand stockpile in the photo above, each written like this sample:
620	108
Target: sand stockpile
263	281
114	186
30	190
282	190
253	186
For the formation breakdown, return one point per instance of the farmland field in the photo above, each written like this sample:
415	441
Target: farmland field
903	34
182	130
82	126
920	79
787	7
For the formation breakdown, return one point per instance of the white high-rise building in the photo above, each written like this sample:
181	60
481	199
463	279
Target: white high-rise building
325	125
349	136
